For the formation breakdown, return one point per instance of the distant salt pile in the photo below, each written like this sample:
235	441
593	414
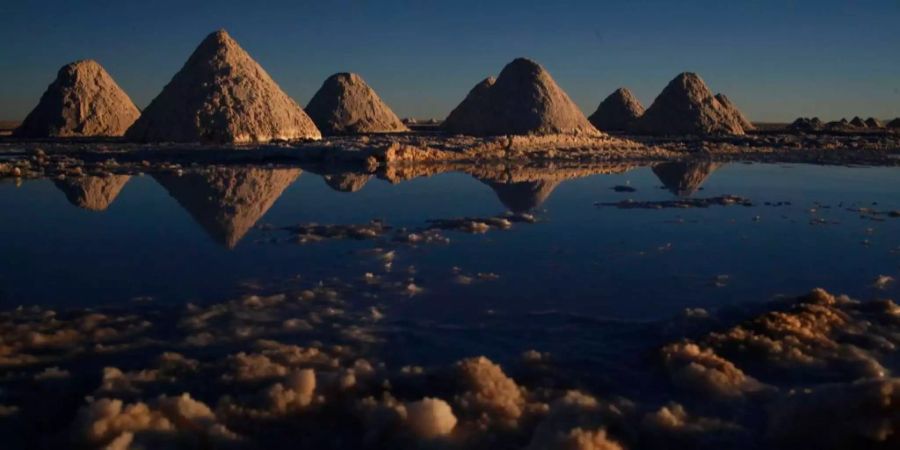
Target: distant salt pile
617	112
807	125
93	193
222	95
736	113
684	178
857	122
687	107
345	104
228	201
523	100
83	101
872	122
894	123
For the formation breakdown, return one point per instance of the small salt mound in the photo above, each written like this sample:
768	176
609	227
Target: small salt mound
222	95
857	122
617	112
430	417
345	104
804	124
687	107
524	100
83	101
872	122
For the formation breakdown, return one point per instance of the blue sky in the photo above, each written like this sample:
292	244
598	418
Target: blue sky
776	59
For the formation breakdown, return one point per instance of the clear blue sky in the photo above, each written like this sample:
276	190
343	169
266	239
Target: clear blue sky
776	59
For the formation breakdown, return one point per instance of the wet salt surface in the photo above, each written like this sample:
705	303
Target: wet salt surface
613	328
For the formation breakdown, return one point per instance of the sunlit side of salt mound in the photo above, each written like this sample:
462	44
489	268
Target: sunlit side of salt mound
430	417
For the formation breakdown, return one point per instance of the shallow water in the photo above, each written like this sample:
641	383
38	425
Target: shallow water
173	243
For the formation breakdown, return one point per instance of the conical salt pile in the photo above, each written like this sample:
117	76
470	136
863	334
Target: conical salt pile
222	95
83	101
687	107
617	112
345	104
736	113
228	201
347	182
894	123
94	193
872	122
524	100
684	178
806	125
857	122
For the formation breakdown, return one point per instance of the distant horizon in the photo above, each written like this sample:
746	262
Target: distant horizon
776	60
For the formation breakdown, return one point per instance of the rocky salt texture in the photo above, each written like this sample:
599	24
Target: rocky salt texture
308	367
687	107
523	100
736	113
222	95
617	112
83	101
345	104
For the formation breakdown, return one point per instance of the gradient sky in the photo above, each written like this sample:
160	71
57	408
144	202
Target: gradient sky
776	59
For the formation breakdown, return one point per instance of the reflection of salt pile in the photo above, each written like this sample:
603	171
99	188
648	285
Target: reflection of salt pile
222	95
523	196
347	182
686	106
95	193
345	104
83	101
684	178
617	112
228	201
524	100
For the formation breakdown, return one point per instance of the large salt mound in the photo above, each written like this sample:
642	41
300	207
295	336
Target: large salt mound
687	107
617	112
345	104
227	201
83	101
222	95
524	100
94	193
736	113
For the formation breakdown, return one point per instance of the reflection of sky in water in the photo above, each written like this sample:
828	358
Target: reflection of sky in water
581	259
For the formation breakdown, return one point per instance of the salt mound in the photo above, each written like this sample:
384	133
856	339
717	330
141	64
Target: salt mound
93	193
83	101
524	100
857	122
894	123
872	122
345	104
222	95
684	178
736	113
617	112
228	201
804	124
686	106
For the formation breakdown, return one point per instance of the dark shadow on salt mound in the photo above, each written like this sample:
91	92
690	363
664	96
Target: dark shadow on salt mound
617	112
687	107
523	196
83	101
684	178
228	201
347	182
524	100
345	104
94	193
222	95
